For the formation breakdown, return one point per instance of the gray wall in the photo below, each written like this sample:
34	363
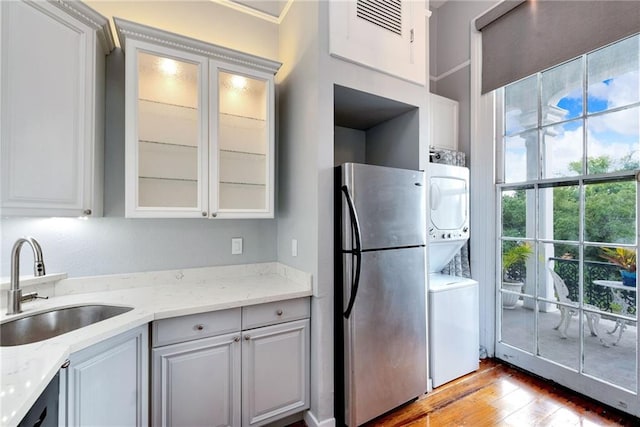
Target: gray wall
393	143
298	136
114	244
349	145
449	50
450	55
306	164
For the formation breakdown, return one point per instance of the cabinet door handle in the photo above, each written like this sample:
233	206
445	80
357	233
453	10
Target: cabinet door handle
213	215
204	213
279	312
65	364
247	337
199	327
236	339
41	419
87	211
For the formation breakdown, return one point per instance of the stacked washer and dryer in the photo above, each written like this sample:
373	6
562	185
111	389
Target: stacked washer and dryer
453	300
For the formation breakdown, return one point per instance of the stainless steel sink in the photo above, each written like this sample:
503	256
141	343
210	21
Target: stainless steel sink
49	324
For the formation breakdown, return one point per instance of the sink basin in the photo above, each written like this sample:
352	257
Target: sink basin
49	324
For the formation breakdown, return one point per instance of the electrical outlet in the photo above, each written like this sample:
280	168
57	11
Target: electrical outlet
236	246
294	247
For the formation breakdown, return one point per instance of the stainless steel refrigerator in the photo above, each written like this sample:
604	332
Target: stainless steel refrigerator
380	314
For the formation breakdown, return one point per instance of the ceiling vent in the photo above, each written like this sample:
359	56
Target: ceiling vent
383	13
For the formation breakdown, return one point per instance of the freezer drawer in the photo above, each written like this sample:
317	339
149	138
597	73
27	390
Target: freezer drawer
385	336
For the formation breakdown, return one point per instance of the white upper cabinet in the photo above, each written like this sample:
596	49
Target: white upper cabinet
389	36
199	128
443	122
52	108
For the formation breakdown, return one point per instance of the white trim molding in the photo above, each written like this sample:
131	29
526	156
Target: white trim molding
131	30
482	194
312	421
451	71
256	13
91	18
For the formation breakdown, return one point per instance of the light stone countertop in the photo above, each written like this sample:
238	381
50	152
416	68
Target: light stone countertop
26	370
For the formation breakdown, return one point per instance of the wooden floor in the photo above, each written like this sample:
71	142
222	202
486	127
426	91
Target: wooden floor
499	395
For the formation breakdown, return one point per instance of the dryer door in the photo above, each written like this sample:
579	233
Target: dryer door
448	202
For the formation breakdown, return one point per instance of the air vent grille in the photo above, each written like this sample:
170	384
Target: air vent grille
383	13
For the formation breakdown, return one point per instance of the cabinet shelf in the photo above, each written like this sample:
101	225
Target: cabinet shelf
239	116
168	104
224	150
253	184
171	144
162	178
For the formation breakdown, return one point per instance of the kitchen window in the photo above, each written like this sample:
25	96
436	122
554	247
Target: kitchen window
567	207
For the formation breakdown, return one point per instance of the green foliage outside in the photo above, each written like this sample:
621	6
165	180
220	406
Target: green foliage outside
610	210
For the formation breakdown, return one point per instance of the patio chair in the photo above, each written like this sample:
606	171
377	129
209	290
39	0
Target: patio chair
566	313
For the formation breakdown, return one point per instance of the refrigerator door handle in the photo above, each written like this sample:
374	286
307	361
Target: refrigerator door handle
355	252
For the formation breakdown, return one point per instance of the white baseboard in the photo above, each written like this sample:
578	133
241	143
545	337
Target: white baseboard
311	421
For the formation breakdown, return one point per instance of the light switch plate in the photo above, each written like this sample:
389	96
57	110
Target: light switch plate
236	246
294	247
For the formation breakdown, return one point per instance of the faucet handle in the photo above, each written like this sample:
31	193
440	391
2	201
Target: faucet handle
31	296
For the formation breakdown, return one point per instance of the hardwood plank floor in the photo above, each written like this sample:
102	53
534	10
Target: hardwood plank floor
500	395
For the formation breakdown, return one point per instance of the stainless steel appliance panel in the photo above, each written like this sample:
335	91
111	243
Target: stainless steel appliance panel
390	205
385	335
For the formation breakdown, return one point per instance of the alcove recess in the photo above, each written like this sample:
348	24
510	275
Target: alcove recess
374	130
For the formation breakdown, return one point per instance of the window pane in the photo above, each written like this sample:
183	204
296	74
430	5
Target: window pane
607	297
558	329
563	260
521	157
610	212
521	105
517	258
517	322
613	75
559	213
517	220
614	141
563	149
562	92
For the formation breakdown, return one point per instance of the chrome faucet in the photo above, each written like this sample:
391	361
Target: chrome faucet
15	298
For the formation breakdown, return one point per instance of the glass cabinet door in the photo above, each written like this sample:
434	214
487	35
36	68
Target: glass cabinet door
171	141
244	145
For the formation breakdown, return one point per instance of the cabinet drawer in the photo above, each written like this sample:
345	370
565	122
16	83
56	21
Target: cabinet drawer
194	326
274	312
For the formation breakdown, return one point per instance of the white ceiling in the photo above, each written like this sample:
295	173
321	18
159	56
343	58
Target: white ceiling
274	10
434	4
271	7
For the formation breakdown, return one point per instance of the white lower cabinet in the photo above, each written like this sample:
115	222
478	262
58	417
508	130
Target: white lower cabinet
107	384
197	383
275	372
250	367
